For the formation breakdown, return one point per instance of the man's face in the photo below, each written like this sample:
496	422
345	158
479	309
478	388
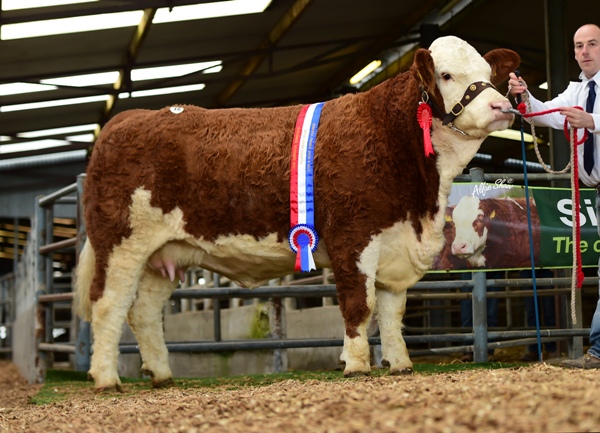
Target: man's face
587	49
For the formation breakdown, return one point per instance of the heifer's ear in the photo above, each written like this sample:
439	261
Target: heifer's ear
423	69
503	62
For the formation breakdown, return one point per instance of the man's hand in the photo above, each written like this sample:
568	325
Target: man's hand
516	85
578	118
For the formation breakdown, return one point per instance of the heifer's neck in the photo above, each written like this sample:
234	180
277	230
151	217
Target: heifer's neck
416	175
454	151
432	175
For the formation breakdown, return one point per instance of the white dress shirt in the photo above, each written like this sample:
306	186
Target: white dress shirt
575	95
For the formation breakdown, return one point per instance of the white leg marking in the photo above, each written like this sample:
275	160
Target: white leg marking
109	312
356	353
390	311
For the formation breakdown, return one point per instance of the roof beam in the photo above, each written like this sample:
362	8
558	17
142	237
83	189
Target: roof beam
400	29
125	73
266	45
404	62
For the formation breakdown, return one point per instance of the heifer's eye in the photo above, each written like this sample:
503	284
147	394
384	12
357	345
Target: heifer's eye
446	77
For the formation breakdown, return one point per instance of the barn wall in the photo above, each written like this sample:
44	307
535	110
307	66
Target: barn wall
239	324
322	322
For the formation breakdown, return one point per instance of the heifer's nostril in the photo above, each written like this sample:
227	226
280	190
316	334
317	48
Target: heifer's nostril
459	248
501	105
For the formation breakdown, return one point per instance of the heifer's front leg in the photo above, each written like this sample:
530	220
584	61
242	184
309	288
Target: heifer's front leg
390	311
146	321
356	294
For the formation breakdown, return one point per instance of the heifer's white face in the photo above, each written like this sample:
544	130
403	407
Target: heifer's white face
458	65
471	234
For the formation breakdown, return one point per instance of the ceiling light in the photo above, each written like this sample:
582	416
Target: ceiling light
360	75
82	137
70	25
171	71
130	19
32	145
58	131
142	74
19	88
213	70
11	5
513	134
100	98
84	80
54	103
162	91
210	10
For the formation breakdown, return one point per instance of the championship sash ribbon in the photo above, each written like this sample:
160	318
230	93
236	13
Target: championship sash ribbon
303	236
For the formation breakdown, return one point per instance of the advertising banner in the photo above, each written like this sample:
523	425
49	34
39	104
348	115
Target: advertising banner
487	227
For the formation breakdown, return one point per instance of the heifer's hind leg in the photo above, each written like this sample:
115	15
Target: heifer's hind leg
390	311
109	312
146	321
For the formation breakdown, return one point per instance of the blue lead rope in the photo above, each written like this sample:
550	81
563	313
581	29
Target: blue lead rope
530	230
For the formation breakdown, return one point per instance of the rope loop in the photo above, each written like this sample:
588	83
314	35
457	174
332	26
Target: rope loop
525	109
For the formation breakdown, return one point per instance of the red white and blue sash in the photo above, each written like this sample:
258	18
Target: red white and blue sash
303	236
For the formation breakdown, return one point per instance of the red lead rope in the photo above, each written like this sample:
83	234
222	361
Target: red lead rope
574	184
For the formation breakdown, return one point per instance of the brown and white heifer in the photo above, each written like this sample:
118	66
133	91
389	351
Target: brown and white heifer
493	233
168	189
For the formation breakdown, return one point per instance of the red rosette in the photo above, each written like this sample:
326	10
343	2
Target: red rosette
424	117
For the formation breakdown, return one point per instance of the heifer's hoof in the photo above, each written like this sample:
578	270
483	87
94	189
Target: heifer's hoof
401	371
163	383
109	389
357	373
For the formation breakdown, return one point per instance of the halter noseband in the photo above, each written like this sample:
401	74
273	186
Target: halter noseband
472	91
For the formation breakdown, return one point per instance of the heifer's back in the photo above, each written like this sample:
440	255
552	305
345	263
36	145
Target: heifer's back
220	167
224	170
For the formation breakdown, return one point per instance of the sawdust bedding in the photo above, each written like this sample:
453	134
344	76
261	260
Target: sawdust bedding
536	398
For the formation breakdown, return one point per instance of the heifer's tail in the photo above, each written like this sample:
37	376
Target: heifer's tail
84	274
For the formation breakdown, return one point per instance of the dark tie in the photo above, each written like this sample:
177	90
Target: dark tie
588	147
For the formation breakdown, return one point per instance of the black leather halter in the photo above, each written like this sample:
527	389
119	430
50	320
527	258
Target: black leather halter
472	91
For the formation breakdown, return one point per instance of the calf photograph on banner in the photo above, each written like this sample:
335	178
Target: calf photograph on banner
486	227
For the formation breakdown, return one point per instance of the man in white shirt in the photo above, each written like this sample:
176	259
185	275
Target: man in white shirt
582	94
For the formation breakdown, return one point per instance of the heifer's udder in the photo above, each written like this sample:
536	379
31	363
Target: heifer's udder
174	258
242	259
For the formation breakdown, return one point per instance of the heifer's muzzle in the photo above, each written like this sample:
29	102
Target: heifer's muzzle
472	91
